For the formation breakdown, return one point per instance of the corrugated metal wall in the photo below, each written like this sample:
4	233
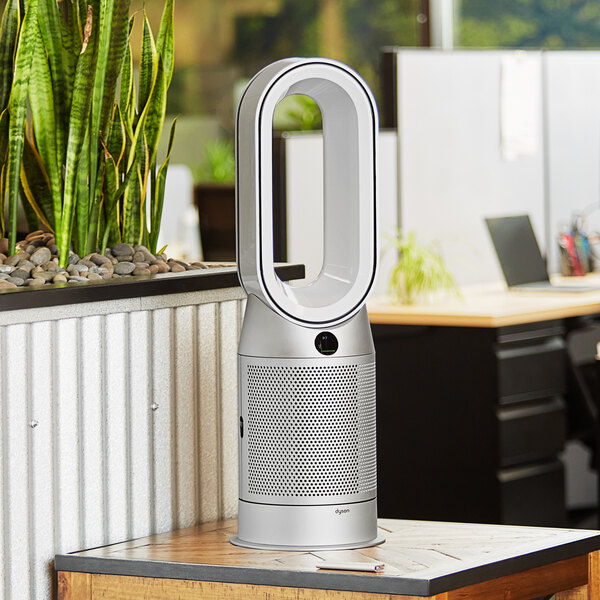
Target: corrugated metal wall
113	425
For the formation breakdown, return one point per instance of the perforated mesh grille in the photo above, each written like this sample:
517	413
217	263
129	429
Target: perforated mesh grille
311	430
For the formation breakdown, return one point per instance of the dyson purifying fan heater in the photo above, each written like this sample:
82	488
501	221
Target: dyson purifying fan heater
308	473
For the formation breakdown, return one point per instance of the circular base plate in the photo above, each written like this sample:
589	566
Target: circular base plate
236	541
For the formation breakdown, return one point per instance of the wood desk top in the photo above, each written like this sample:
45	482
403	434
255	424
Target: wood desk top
421	558
492	305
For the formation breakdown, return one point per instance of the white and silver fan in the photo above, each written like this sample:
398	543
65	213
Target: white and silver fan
308	472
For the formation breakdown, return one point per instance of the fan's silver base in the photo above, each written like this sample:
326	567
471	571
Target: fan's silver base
307	527
236	541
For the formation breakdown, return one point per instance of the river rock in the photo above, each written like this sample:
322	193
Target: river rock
124	268
35	282
26	265
15	259
20	274
122	250
162	266
45	275
5	284
99	259
49	265
41	255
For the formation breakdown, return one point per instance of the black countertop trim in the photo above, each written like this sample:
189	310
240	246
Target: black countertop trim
131	287
374	583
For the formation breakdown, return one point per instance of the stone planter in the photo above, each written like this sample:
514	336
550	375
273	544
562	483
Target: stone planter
118	415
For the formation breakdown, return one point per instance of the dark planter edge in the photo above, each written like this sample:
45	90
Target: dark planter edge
132	287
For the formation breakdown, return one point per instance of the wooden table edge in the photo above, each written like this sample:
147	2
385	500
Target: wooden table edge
348	582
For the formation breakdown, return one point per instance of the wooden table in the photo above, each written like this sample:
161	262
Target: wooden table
493	305
441	561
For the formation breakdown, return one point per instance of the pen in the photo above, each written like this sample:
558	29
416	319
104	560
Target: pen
352	566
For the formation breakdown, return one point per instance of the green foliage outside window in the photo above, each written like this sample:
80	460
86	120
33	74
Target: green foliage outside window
528	23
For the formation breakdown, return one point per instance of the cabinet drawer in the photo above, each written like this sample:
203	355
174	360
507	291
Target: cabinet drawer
531	371
533	495
531	432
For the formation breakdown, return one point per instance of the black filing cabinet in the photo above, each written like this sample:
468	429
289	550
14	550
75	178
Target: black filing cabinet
471	422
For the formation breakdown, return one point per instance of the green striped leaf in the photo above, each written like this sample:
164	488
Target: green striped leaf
2	186
35	184
80	109
116	140
104	24
131	194
4	119
18	111
69	58
45	125
110	213
158	193
77	25
126	96
157	108
9	30
165	41
82	210
113	199
83	13
131	211
33	223
148	64
118	44
94	217
50	28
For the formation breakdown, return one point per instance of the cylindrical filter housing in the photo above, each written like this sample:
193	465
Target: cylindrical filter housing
308	468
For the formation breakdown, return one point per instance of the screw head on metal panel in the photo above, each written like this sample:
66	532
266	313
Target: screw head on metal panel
33	423
154	406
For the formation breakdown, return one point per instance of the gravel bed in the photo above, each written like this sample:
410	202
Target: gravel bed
35	263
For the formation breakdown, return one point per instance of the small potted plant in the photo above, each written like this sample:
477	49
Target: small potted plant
419	272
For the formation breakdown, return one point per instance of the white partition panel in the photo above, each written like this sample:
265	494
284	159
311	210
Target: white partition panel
572	89
453	168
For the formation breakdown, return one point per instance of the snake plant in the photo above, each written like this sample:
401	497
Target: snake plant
78	141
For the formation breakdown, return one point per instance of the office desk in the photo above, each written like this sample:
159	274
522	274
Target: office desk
440	561
471	405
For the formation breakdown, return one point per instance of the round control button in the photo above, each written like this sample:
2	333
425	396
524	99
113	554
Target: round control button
326	343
